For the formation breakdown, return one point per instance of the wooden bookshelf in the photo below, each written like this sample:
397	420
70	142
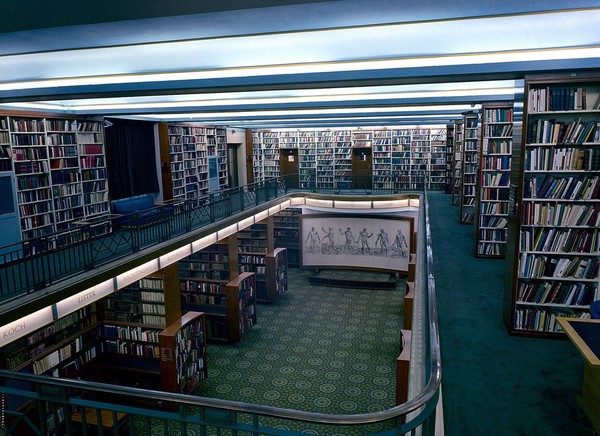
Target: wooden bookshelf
554	256
241	306
203	278
437	161
286	229
276	282
183	353
5	151
470	165
391	158
449	158
494	180
457	162
61	348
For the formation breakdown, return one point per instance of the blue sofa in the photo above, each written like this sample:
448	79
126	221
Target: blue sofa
138	211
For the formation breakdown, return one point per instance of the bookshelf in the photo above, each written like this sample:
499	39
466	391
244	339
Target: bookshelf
32	173
254	243
449	158
258	156
457	162
5	151
419	158
325	161
437	161
241	306
65	173
276	272
177	162
401	145
399	159
552	267
494	180
271	155
221	138
60	349
203	278
382	158
470	165
141	303
342	158
94	176
286	230
183	354
307	152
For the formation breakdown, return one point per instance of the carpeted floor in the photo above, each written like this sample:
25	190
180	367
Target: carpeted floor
321	349
493	383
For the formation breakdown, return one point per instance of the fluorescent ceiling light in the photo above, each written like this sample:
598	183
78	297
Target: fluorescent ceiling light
315	67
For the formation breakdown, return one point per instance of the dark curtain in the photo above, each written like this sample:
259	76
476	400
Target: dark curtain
130	158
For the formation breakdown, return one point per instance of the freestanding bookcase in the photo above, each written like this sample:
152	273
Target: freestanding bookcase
470	165
457	159
494	180
183	354
552	269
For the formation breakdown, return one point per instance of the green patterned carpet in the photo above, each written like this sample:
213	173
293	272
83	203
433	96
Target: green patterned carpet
320	349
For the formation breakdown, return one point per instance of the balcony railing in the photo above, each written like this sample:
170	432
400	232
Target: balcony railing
51	405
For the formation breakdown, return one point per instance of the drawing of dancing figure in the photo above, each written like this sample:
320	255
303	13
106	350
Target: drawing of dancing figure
329	247
363	238
349	240
382	241
313	237
400	242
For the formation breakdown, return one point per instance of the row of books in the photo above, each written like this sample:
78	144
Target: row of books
562	159
559	98
560	132
560	240
490	248
569	294
132	348
495	180
575	267
561	214
133	333
562	188
544	319
194	286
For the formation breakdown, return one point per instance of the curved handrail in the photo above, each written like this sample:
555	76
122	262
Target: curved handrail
426	399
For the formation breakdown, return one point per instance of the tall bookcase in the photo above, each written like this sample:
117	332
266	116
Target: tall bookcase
457	162
494	180
401	145
449	158
254	243
342	158
60	171
94	176
470	165
187	150
183	353
5	153
437	161
552	268
203	277
276	284
307	155
241	306
286	230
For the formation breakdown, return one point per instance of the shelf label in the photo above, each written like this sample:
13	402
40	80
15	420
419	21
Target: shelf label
26	325
82	299
137	273
167	355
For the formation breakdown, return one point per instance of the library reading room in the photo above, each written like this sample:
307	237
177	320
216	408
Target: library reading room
327	217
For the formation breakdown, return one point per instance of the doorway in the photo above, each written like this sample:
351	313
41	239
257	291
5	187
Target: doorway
362	162
288	166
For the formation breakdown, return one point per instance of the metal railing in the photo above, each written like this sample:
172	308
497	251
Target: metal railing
34	404
38	263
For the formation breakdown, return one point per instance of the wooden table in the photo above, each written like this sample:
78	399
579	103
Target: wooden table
585	334
107	420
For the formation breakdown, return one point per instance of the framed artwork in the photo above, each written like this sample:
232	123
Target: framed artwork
343	241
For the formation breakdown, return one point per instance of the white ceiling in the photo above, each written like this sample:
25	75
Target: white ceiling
340	62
